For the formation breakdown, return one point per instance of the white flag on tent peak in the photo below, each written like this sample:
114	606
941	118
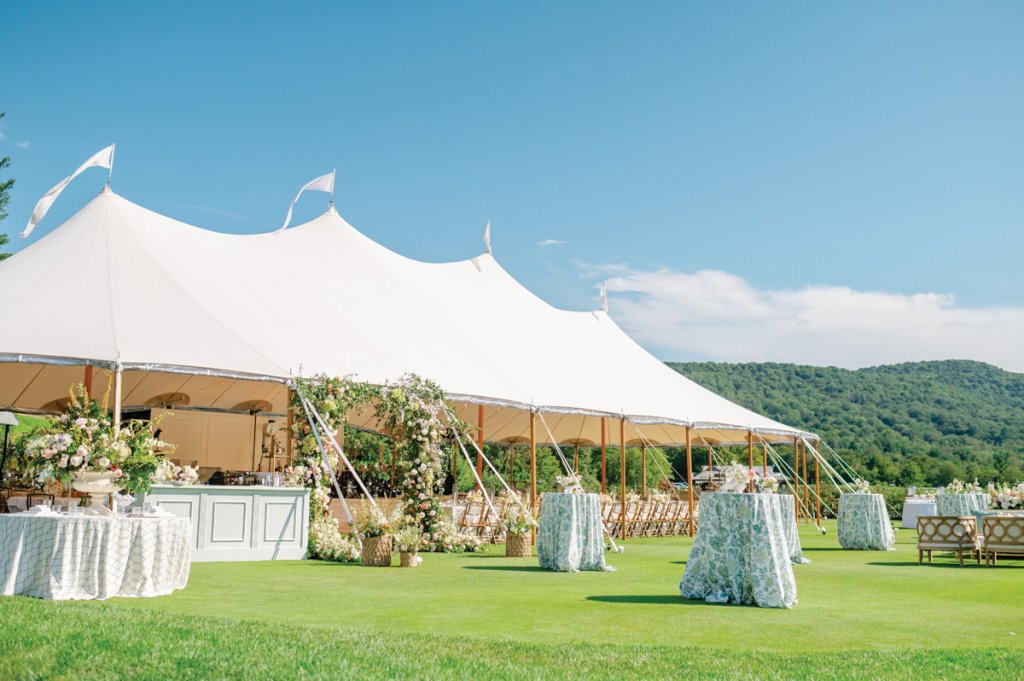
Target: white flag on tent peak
324	183
487	236
604	297
104	158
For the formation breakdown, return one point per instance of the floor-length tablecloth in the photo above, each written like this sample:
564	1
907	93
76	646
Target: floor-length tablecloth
788	510
962	504
93	557
914	509
570	537
863	523
740	553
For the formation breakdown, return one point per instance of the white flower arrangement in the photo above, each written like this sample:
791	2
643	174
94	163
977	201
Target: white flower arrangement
327	542
768	485
571	483
737	477
954	487
409	539
861	486
169	473
1007	498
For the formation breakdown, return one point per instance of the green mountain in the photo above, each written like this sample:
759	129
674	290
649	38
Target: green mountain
914	423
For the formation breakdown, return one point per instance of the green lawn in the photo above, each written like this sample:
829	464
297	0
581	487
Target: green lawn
860	614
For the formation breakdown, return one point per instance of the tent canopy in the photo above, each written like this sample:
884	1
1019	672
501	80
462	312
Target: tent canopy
223	319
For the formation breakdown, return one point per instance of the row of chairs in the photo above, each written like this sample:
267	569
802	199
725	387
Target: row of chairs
1001	535
649	518
644	518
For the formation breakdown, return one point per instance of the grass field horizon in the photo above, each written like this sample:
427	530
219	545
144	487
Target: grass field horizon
863	614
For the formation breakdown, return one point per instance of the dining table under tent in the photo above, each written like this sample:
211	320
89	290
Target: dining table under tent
216	327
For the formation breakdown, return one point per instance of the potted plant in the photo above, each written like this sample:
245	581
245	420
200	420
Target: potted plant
518	522
408	541
376	532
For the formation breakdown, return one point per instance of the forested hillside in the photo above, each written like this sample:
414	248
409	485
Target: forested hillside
922	422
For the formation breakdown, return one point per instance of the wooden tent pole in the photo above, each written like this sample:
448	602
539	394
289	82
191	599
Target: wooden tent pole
576	459
711	466
117	402
622	473
764	459
512	466
480	444
817	489
604	460
291	433
750	457
88	379
533	469
643	470
689	479
807	501
796	477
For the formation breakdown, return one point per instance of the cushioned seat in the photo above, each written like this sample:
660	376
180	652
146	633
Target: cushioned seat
1003	535
947	533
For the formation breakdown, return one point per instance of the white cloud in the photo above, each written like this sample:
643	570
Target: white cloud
25	144
717	315
549	242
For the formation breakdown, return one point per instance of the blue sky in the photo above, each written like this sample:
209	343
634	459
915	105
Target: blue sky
835	183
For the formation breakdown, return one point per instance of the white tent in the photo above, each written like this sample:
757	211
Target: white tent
222	321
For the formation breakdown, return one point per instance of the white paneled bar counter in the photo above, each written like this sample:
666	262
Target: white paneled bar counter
240	523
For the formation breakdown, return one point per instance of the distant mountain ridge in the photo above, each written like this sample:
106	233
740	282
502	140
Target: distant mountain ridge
913	423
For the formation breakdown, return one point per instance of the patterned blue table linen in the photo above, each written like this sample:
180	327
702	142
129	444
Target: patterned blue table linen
740	553
962	504
864	523
796	553
570	537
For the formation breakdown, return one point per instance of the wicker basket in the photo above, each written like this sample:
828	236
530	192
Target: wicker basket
409	559
377	551
518	546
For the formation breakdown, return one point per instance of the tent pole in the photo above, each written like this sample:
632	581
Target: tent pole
480	443
512	466
689	479
711	467
764	460
291	425
455	471
533	470
817	489
576	459
604	461
796	477
88	379
622	473
117	399
750	457
643	470
807	501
